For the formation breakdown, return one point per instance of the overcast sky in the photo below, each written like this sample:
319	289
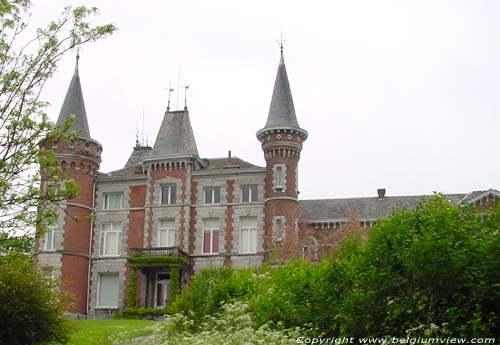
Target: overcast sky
402	95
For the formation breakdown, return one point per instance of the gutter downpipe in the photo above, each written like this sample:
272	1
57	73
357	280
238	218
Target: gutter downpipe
90	245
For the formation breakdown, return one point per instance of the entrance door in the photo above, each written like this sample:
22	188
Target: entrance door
162	288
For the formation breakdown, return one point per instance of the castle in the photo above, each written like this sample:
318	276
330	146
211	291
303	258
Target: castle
143	230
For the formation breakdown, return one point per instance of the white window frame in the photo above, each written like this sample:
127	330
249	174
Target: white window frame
98	304
50	230
212	200
251	196
168	229
169	194
252	231
103	238
211	230
107	196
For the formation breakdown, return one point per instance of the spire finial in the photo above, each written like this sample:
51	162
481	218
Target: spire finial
137	137
170	90
186	87
77	58
281	43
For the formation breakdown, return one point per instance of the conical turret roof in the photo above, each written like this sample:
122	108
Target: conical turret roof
282	111
74	105
175	137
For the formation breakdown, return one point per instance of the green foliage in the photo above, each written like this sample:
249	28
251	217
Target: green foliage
26	63
233	325
140	313
132	288
209	288
30	304
137	260
20	244
436	265
174	283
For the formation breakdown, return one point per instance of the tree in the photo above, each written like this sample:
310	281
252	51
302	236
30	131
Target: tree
31	308
25	66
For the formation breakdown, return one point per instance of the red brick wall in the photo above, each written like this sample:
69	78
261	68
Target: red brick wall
74	277
136	217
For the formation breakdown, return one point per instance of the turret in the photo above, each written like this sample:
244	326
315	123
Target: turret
281	140
66	247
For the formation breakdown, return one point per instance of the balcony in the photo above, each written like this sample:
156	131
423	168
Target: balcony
158	257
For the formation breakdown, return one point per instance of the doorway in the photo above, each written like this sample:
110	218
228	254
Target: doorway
162	289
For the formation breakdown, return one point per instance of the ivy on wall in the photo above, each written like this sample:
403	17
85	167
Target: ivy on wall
139	261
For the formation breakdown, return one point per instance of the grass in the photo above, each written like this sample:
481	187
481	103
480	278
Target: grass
98	332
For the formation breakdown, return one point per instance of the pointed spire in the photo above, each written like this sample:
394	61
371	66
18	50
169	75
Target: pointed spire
74	105
175	137
282	111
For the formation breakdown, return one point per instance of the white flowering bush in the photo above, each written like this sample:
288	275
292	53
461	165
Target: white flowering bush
232	326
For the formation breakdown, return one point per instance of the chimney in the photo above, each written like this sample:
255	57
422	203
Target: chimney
229	156
381	193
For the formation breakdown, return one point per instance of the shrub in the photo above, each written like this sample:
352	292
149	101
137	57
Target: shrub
209	288
232	325
140	313
31	311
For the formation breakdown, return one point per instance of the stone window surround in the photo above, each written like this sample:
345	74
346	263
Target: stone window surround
98	302
275	229
103	234
282	187
163	182
107	195
255	230
211	229
168	229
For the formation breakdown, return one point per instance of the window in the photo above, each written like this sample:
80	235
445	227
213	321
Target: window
211	236
50	238
278	178
110	239
249	193
168	194
278	230
212	195
112	201
53	189
166	233
108	290
248	235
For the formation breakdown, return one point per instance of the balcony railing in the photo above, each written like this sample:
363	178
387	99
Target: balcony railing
161	251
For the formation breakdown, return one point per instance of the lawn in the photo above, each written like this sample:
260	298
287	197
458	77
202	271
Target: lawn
98	332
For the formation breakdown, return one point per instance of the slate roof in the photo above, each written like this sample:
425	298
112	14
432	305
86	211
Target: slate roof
137	155
362	208
225	163
282	111
175	137
74	105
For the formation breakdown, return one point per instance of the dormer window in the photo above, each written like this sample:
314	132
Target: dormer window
168	194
